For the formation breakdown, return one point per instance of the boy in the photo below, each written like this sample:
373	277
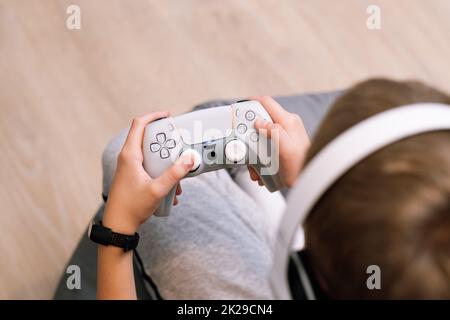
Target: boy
392	209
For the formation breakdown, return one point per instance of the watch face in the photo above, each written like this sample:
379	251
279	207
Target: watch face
90	228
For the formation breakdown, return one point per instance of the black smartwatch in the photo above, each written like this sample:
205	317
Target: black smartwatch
105	236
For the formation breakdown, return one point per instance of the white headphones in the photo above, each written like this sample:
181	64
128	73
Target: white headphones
332	162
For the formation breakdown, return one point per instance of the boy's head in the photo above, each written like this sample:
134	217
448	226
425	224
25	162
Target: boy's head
391	210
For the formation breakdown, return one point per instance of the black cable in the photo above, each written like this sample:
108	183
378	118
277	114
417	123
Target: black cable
147	277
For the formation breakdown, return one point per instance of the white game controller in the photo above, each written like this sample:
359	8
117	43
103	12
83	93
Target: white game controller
217	138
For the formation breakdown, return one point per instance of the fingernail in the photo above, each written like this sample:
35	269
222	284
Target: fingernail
187	161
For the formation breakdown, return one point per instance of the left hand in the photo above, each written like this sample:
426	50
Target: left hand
292	139
134	195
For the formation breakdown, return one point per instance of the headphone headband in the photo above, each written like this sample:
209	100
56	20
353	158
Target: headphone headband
336	159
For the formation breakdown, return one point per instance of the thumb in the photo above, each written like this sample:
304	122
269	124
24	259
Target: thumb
170	178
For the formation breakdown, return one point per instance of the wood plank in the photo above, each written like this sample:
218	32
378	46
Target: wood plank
64	93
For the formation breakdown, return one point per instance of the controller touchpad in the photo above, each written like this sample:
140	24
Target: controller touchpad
205	125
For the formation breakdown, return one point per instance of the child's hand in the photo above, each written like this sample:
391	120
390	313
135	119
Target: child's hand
293	140
134	194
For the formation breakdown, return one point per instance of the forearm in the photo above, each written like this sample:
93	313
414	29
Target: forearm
133	198
115	277
115	274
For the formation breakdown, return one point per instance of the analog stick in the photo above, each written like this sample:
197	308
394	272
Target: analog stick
195	156
235	150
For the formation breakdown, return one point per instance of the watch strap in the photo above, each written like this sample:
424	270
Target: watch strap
124	241
105	236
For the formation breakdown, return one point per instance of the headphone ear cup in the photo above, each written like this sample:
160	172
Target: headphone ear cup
299	280
303	283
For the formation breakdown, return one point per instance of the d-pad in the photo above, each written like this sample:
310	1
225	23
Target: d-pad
162	145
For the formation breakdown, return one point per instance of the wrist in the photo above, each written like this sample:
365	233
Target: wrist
119	222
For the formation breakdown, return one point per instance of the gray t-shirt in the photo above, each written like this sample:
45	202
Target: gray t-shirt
214	245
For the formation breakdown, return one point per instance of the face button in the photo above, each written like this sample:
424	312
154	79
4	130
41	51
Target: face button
196	157
160	137
254	137
164	153
170	144
241	128
250	115
235	150
154	147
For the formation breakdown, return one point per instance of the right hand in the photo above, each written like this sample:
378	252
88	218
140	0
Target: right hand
134	194
293	142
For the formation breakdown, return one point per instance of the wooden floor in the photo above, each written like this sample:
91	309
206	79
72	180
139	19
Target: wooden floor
64	93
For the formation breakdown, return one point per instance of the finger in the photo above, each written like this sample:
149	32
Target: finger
261	183
279	137
179	190
271	130
169	179
253	174
275	110
133	143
